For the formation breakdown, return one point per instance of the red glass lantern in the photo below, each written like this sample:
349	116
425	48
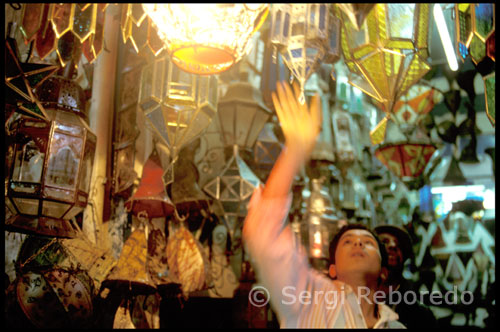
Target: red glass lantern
151	197
405	160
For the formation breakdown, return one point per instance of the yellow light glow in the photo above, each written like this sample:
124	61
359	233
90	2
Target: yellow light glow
206	38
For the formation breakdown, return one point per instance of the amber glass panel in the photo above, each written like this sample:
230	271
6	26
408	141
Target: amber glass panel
86	171
54	209
32	20
27	206
62	18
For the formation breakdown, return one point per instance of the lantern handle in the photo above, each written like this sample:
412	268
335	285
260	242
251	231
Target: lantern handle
178	217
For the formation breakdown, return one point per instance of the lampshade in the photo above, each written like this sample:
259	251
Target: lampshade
388	54
475	24
241	114
130	272
179	105
305	35
206	38
150	196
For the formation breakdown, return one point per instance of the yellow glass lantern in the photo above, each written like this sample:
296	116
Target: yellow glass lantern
206	38
388	54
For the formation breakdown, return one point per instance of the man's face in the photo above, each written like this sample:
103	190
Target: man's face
357	251
394	253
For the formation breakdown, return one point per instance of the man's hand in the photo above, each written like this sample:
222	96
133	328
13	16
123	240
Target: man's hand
300	125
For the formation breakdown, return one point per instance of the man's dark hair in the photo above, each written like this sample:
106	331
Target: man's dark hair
336	238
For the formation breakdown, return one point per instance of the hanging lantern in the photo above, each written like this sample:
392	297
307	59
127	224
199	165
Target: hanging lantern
405	159
322	220
475	24
345	154
233	189
150	197
387	55
414	105
131	272
489	95
241	114
206	38
305	35
50	178
179	105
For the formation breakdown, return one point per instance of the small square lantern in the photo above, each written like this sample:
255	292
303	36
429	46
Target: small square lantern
49	180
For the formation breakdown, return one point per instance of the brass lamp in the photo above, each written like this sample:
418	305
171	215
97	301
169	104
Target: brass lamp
206	39
50	176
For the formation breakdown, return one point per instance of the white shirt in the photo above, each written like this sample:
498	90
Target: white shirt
301	296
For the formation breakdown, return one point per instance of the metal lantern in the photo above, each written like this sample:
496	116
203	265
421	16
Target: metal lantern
49	180
388	54
305	35
206	38
233	189
322	220
241	115
344	148
475	25
405	159
179	105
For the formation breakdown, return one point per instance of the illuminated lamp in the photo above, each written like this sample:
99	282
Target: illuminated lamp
206	38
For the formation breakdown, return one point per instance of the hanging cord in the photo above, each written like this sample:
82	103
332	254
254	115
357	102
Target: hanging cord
15	5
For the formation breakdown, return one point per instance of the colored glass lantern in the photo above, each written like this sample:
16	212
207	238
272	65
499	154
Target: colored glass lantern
414	105
53	159
305	35
405	159
475	24
489	95
206	38
150	199
388	54
179	105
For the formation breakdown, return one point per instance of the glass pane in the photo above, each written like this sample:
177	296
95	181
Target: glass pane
28	165
54	209
86	171
400	20
27	206
64	161
59	194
